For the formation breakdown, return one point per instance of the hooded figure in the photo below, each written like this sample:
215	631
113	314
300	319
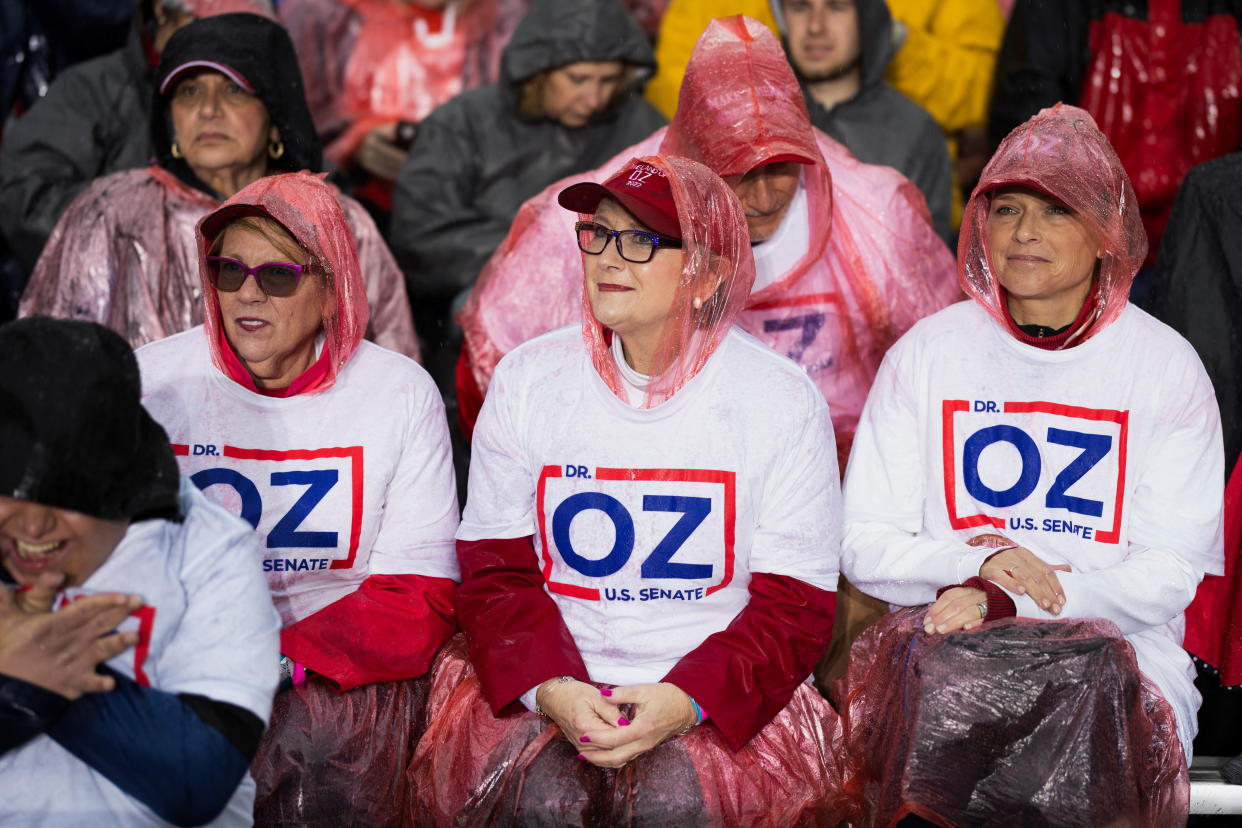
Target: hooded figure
91	505
576	616
878	124
361	564
87	126
123	253
855	264
480	155
1102	507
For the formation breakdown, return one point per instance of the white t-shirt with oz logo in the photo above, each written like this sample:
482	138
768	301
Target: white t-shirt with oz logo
1105	456
648	522
340	485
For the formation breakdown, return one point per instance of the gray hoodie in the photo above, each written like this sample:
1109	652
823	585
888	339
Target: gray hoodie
879	124
475	161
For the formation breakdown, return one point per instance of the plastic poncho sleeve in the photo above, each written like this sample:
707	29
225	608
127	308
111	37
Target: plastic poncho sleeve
389	629
84	230
947	59
680	28
516	634
441	239
392	323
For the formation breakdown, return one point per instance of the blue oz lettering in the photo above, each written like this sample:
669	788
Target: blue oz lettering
251	502
284	534
1094	448
622	547
1031	465
659	563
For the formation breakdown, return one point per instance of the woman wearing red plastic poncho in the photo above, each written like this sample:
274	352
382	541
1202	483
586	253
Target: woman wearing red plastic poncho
271	406
1019	423
228	110
665	562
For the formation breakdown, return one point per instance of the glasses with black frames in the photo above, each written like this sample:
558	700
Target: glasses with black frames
273	278
636	246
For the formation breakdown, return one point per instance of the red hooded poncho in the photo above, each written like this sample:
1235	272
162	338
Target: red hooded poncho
1048	153
874	265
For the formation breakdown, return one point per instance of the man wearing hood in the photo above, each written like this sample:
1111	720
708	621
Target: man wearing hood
840	50
564	104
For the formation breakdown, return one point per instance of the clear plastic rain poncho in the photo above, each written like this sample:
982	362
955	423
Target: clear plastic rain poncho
1062	153
920	737
371	62
715	249
873	266
306	206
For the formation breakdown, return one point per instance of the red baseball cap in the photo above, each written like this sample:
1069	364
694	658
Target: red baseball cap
639	187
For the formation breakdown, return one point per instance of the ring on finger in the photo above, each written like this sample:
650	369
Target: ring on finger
983	609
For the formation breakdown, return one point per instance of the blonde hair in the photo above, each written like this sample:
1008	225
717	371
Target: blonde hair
530	91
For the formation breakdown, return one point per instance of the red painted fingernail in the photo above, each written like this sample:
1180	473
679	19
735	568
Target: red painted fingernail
604	691
584	738
623	721
580	756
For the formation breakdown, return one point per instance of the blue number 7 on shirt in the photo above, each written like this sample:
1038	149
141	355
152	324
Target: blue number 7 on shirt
633	527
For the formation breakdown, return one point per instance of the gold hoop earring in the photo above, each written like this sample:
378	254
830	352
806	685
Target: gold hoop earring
275	150
176	150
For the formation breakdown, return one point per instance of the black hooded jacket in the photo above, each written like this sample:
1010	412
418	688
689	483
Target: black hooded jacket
260	49
475	161
880	125
88	125
1196	285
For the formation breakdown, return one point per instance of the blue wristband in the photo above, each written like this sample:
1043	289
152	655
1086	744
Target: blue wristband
698	711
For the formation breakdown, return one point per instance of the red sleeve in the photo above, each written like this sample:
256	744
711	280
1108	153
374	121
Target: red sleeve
745	674
1000	605
469	398
515	632
389	629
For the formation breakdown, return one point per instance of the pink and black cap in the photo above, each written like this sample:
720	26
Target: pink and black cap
191	66
640	188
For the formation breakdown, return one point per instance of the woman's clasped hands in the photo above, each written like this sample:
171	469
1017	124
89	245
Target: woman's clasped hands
1016	569
592	720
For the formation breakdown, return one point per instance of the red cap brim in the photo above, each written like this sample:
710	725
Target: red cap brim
585	198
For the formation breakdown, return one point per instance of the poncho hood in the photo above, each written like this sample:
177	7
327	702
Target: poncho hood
1062	153
306	206
260	51
875	38
715	246
556	32
740	104
73	433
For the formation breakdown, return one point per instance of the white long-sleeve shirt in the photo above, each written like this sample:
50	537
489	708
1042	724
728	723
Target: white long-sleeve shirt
1106	457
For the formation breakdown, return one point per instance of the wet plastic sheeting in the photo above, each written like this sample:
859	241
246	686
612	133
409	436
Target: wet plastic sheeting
475	769
1020	723
333	758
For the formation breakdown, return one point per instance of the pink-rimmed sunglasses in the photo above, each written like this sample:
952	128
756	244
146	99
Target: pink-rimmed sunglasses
273	278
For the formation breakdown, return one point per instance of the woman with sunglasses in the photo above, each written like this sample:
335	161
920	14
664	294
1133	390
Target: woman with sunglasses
655	574
336	451
228	109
